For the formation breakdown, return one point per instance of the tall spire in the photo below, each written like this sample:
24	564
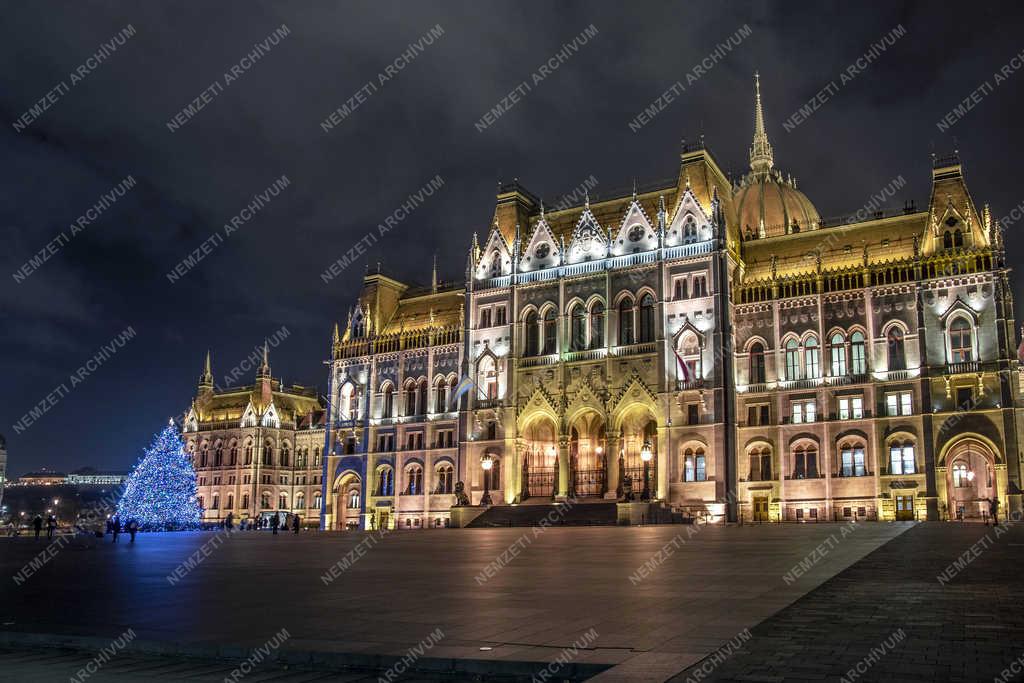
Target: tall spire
433	276
206	379
264	371
761	159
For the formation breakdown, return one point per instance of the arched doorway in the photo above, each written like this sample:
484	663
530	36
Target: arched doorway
970	479
638	430
348	492
588	464
540	458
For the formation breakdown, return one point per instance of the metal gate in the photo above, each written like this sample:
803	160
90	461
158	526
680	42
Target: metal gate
538	474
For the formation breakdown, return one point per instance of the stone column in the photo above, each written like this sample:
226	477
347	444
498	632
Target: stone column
663	456
563	466
612	458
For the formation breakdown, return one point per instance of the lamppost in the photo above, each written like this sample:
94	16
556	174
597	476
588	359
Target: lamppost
486	462
646	455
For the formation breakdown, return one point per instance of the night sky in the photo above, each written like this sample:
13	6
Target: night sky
112	122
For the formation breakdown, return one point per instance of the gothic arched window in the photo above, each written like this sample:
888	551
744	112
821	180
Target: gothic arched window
626	322
647	318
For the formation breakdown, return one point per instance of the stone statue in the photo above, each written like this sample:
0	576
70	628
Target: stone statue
461	499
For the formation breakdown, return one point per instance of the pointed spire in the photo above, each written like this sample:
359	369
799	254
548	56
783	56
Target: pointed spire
206	379
586	199
336	339
542	210
761	158
634	188
264	371
433	276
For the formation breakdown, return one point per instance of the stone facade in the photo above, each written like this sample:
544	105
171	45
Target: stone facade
257	449
713	346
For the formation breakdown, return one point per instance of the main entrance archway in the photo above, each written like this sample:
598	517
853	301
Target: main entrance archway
348	492
540	458
588	464
638	427
970	479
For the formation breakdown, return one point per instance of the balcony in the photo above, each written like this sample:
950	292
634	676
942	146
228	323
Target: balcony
970	367
536	361
634	349
588	354
682	385
481	403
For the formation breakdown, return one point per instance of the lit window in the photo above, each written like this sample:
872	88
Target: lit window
960	478
901	458
899	404
838	355
852	460
960	341
804	411
851	408
812	358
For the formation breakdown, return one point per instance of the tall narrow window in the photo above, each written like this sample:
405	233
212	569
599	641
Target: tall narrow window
421	397
579	328
626	322
647	318
812	358
838	350
792	360
485	318
597	325
550	332
389	402
960	341
757	375
894	344
858	359
530	330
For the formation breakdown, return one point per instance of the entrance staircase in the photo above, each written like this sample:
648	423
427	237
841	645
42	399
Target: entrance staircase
542	512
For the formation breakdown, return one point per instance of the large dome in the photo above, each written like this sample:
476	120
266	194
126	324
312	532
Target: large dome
766	203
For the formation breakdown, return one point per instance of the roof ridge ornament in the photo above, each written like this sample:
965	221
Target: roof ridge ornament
761	156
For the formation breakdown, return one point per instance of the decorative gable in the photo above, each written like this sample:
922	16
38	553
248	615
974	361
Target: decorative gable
636	233
588	239
690	223
496	257
249	417
271	418
543	250
191	421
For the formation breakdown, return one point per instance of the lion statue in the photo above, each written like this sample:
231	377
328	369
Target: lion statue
461	498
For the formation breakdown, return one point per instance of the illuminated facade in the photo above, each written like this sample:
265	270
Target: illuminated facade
771	364
257	449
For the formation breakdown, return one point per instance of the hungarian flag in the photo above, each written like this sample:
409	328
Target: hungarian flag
685	373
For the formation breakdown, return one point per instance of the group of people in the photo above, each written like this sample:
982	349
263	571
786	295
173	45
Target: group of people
37	524
273	522
115	527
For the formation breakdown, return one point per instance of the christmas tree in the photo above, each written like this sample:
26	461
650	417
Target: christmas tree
160	494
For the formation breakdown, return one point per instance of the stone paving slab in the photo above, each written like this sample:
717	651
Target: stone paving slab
528	594
889	617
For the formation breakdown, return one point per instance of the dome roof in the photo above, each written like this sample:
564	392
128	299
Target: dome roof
766	203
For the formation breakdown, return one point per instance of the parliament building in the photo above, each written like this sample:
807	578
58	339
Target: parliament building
711	347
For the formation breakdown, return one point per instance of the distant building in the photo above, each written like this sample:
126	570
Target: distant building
42	477
90	476
257	449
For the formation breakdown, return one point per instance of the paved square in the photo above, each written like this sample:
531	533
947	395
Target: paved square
692	589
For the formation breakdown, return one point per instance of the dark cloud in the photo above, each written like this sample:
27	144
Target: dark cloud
571	126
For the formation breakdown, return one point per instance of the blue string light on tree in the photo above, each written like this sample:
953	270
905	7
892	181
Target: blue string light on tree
160	494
